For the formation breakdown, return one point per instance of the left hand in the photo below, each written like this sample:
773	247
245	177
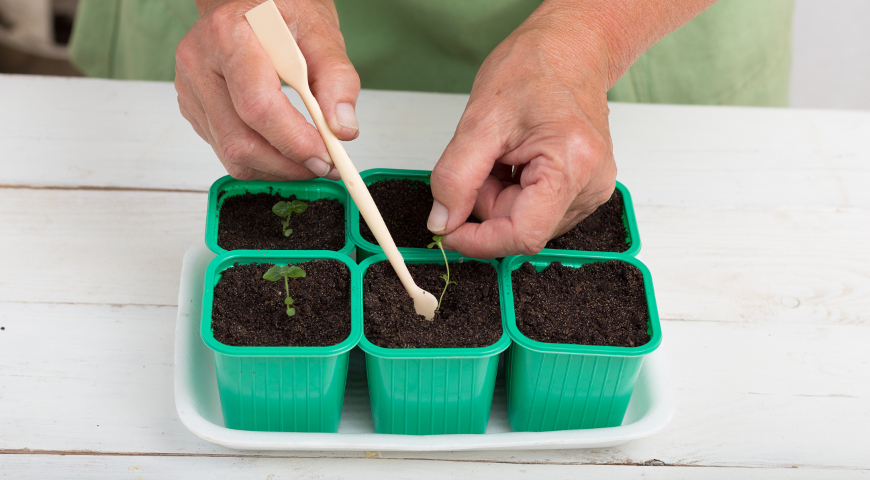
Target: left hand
532	154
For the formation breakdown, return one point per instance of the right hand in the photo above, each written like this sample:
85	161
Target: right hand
229	92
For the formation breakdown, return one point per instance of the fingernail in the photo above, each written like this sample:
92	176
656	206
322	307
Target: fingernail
346	116
437	218
333	174
318	166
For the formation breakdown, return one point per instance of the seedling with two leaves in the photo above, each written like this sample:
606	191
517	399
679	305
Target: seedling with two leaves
446	277
287	271
285	209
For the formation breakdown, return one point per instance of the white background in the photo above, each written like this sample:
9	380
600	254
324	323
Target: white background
831	63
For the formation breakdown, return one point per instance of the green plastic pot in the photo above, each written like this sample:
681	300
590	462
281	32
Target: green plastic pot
365	248
280	389
426	391
554	386
632	238
308	190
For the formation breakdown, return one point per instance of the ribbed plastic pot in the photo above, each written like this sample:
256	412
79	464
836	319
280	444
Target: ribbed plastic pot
281	389
554	386
307	190
426	391
632	238
365	248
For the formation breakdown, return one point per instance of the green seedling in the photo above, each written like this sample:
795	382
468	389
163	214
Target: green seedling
285	209
446	277
287	271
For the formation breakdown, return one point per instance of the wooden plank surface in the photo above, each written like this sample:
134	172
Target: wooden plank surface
98	378
35	466
101	133
108	247
752	222
725	264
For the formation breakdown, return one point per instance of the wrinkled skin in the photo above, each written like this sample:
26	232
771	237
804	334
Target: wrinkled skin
531	156
231	95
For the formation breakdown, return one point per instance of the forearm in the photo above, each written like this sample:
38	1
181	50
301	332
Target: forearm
607	35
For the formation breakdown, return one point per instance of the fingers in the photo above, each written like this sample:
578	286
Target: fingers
257	99
518	219
191	110
333	80
229	92
238	145
460	173
495	198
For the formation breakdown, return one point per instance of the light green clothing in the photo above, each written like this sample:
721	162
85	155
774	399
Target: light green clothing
736	53
129	39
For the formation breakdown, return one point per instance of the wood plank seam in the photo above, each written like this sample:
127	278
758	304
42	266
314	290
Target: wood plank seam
648	463
100	188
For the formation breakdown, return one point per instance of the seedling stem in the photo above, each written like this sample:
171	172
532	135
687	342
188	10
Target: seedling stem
287	271
446	277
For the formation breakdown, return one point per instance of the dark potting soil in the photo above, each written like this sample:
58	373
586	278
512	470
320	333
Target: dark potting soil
599	303
603	231
469	315
405	205
249	310
247	222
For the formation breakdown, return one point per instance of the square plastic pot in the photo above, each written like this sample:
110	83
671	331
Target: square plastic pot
307	190
632	238
425	391
280	389
553	386
364	247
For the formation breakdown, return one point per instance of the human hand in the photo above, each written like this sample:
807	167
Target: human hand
532	154
229	92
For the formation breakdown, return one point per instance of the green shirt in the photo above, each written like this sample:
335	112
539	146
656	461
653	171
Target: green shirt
738	52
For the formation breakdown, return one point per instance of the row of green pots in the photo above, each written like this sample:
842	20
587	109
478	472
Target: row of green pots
427	390
312	190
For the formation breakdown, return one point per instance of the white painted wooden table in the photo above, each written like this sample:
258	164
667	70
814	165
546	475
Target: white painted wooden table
755	224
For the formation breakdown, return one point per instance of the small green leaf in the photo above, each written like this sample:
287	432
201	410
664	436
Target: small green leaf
288	301
273	274
291	311
431	245
297	206
288	232
443	277
285	223
282	209
295	272
438	238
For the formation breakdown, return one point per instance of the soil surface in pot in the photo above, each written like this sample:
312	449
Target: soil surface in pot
600	303
249	310
247	222
405	205
469	315
603	231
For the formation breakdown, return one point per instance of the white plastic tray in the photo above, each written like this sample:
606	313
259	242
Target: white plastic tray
196	398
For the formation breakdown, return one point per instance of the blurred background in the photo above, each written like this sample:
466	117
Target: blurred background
830	68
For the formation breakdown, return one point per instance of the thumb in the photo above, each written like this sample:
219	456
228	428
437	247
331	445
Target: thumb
460	173
333	80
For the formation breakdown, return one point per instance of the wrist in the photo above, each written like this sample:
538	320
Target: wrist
609	35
